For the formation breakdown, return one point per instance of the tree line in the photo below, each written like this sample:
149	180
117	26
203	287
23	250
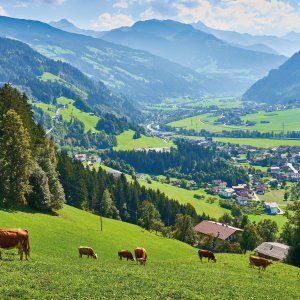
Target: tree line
28	160
189	161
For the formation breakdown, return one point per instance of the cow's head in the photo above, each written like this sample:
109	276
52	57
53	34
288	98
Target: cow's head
214	260
95	256
270	262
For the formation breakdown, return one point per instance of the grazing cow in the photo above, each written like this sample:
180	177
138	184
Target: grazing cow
83	250
125	254
140	253
142	261
208	254
255	261
15	238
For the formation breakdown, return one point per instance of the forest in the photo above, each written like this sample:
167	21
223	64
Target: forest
189	161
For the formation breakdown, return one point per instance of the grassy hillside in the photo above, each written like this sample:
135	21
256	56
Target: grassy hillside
173	270
89	121
126	141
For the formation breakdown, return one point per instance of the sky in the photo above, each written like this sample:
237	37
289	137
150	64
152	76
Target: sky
272	17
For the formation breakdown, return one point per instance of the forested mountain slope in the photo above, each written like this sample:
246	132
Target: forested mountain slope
199	51
282	85
135	73
45	80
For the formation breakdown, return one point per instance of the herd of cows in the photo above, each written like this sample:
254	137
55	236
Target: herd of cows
19	238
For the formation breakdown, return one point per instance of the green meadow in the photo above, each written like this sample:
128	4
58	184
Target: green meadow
127	142
172	271
90	121
260	143
287	120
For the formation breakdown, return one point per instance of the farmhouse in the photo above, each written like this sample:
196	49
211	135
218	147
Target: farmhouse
272	208
274	251
227	193
220	231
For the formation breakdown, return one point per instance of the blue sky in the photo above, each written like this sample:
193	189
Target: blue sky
253	16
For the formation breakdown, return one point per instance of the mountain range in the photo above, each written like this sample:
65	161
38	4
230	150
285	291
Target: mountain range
229	68
138	74
286	45
282	85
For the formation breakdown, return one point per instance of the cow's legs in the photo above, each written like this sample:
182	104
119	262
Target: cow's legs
0	255
21	254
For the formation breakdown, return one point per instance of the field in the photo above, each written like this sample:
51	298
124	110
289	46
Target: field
260	143
126	142
288	120
173	270
89	121
214	210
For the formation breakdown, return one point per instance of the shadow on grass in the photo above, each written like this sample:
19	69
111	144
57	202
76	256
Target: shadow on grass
28	211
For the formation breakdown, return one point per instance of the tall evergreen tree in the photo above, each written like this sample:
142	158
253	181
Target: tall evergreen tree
15	160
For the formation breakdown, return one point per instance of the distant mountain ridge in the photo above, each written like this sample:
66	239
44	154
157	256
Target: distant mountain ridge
282	85
197	50
137	74
283	45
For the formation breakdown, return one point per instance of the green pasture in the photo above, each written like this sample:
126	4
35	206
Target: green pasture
260	143
172	271
287	120
90	121
127	142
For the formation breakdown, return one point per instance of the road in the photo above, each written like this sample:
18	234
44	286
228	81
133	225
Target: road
48	131
292	168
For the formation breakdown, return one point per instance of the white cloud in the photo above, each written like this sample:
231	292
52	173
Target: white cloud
256	16
107	21
2	11
121	4
59	2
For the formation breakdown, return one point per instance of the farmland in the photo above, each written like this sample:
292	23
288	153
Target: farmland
260	143
127	142
277	121
55	271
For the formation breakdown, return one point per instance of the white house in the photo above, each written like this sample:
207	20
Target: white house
272	208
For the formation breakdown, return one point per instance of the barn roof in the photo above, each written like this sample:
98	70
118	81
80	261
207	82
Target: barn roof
273	250
216	229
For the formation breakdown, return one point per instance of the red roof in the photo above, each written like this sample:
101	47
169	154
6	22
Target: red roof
216	229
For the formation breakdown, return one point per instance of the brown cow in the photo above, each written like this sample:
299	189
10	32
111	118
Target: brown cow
83	250
125	254
208	254
140	253
15	238
255	261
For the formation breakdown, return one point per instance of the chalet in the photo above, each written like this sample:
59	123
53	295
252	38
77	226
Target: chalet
227	193
275	170
272	208
275	251
220	231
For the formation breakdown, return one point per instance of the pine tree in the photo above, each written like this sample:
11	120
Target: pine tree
184	229
15	160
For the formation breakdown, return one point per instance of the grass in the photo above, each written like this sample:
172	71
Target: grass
126	141
173	270
89	121
274	196
287	119
260	143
